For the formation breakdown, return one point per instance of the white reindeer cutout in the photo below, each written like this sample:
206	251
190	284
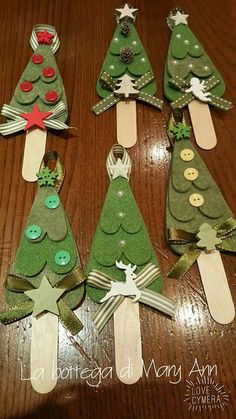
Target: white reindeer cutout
197	88
126	288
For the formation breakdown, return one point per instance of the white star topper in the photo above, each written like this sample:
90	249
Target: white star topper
180	18
126	11
119	169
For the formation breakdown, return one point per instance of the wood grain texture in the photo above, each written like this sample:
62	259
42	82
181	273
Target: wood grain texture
85	30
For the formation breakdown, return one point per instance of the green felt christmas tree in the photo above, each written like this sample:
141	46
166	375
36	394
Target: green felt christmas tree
186	60
121	234
39	98
47	253
126	56
193	199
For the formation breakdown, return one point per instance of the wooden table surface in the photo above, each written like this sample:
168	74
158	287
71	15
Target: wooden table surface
85	30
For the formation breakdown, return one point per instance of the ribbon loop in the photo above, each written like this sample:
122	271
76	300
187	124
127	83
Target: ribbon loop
55	44
143	280
115	151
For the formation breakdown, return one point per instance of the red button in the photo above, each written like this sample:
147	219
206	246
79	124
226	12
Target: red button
37	59
48	72
26	86
51	96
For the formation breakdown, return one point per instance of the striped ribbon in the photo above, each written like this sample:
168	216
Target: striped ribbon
38	28
18	123
148	274
187	97
117	150
108	83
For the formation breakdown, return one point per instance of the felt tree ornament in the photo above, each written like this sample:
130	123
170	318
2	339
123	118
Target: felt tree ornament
126	76
123	269
39	101
46	278
200	224
191	79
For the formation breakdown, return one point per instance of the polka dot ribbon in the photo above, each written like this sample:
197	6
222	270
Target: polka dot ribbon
110	84
187	97
112	158
148	274
55	43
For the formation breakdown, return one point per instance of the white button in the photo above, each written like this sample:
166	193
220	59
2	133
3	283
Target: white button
120	194
191	173
121	214
187	154
196	200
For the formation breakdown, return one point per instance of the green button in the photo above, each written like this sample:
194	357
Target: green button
52	201
62	258
33	232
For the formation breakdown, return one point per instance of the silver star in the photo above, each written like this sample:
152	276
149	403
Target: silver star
126	11
180	18
119	169
45	297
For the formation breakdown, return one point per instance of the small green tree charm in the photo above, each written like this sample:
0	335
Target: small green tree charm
121	238
47	256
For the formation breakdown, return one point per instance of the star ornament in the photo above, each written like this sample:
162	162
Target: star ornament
35	118
45	297
126	11
180	18
44	37
119	170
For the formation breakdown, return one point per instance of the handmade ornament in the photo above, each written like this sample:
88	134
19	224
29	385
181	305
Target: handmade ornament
191	79
200	224
39	101
126	76
123	270
46	278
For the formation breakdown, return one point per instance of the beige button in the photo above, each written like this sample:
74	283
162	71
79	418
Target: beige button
187	154
196	200
191	173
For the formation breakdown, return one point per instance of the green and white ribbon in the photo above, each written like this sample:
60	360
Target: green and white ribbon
187	97
55	44
148	274
118	149
108	83
18	123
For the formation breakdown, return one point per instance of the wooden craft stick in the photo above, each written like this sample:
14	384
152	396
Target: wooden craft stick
35	143
202	123
216	287
128	346
126	120
43	363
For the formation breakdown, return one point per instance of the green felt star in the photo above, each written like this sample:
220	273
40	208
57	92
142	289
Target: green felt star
119	169
181	131
45	297
47	177
208	238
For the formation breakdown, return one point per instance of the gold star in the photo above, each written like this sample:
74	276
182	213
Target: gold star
180	18
119	169
45	297
126	11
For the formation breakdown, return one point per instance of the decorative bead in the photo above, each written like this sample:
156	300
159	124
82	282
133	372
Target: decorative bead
52	202
191	173
121	215
186	42
26	86
122	243
51	96
48	72
178	35
187	154
62	258
33	232
120	194
37	59
196	47
196	200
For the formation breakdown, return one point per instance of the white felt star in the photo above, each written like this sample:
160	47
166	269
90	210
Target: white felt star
126	11
180	18
45	297
119	169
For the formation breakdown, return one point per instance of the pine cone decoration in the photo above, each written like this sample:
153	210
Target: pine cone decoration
124	28
126	55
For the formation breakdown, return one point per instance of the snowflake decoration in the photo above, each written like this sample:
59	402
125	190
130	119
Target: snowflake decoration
44	37
181	131
46	177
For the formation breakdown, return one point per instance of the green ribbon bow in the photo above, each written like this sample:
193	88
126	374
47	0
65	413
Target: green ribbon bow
66	316
187	97
225	231
110	84
144	278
